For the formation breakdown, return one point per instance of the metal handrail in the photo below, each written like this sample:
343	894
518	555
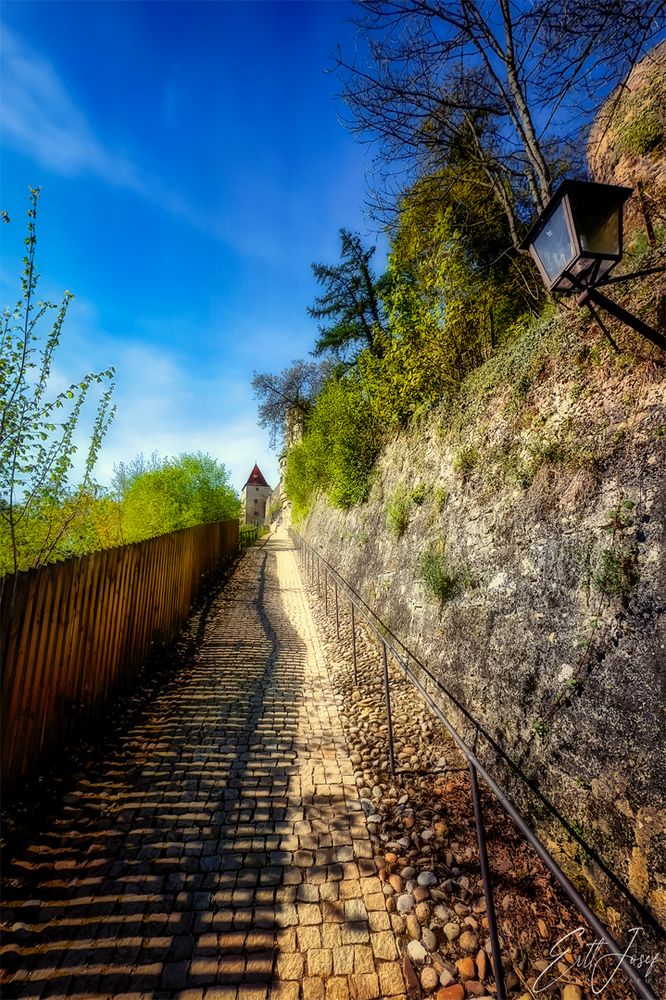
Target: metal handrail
384	631
308	554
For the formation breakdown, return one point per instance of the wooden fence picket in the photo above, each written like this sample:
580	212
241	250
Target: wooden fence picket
72	631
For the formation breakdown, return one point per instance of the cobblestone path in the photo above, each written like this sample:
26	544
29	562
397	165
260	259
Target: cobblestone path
219	850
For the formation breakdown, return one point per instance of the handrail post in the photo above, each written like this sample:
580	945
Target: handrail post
326	592
487	886
337	615
353	640
387	696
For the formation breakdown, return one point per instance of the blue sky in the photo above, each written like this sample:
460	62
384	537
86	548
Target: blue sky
192	167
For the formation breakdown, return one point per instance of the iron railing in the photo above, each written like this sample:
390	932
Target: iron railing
314	565
249	533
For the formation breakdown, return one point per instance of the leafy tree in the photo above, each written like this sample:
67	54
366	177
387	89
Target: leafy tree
338	450
38	507
351	300
174	493
433	336
291	391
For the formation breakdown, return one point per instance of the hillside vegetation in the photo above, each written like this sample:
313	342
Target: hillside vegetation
504	515
460	318
421	374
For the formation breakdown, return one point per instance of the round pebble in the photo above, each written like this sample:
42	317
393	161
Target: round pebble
469	941
413	927
428	939
405	903
452	930
427	879
417	952
429	978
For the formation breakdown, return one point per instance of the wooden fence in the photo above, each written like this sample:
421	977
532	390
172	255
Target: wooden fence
70	631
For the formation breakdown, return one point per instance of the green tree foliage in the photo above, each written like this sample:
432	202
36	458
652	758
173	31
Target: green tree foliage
450	295
445	315
165	495
40	511
338	450
351	300
460	188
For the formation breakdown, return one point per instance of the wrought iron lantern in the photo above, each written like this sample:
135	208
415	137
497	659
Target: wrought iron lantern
577	241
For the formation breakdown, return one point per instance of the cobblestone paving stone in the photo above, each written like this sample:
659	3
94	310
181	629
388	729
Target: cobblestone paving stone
220	849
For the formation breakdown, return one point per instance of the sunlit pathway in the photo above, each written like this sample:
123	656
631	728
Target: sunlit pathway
220	849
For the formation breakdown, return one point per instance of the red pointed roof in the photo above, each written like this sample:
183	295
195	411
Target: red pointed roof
256	478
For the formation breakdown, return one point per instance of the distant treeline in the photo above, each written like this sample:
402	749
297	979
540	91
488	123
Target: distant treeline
43	516
148	497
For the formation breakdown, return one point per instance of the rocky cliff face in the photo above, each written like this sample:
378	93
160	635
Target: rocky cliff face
515	542
546	527
628	140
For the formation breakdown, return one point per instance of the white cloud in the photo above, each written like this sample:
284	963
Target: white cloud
38	117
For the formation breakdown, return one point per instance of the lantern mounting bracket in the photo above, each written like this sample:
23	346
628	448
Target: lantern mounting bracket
615	279
590	294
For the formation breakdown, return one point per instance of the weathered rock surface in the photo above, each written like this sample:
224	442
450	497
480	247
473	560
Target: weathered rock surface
555	653
627	142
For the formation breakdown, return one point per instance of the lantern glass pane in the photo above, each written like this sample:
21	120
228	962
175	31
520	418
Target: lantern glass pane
598	227
553	245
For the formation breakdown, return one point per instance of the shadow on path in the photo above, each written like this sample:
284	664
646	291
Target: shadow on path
215	845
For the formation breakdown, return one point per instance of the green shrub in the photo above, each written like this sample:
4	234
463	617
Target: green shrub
305	476
465	460
338	450
642	133
397	513
443	580
618	573
439	499
418	494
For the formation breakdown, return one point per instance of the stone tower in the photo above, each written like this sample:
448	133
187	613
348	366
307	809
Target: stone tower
254	497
